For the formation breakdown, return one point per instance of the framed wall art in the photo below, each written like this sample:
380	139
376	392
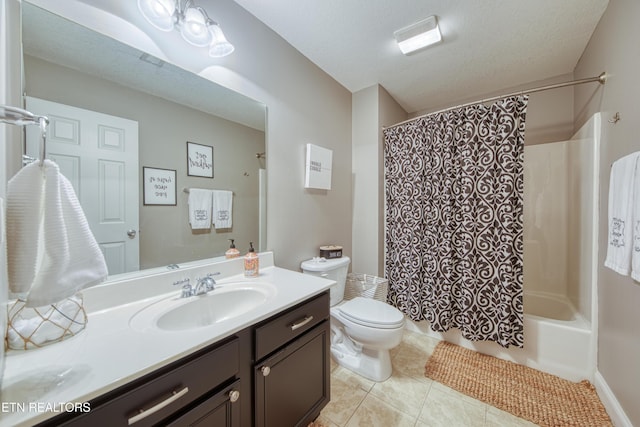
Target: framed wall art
199	160
318	167
159	186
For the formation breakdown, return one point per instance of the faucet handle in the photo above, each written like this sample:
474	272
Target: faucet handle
187	291
181	282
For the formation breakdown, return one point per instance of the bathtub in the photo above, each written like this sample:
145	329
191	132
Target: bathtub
557	339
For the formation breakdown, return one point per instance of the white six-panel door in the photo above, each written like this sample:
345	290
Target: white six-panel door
98	153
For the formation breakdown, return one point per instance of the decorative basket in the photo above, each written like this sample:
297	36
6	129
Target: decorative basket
34	327
366	285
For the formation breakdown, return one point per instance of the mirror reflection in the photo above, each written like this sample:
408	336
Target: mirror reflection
116	112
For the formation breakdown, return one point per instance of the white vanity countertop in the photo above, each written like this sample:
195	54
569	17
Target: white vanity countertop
109	353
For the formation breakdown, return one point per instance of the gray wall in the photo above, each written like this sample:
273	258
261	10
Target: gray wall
305	105
372	109
164	128
614	48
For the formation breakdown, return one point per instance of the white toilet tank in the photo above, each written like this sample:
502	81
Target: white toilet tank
333	269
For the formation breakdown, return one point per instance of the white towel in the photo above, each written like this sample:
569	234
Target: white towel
635	247
200	202
222	208
3	250
620	216
51	252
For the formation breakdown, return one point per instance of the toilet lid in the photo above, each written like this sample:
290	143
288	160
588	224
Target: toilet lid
372	313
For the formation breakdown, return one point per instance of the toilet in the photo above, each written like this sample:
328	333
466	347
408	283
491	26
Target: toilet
363	330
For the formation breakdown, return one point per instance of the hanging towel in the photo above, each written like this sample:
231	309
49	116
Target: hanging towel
3	244
620	216
200	208
635	247
222	208
51	252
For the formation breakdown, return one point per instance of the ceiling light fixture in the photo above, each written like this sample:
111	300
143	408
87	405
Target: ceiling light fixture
192	21
417	36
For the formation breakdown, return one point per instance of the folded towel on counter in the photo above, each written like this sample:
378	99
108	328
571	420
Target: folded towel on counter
35	327
51	252
200	204
222	208
621	213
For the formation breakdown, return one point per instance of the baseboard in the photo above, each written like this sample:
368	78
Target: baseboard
615	411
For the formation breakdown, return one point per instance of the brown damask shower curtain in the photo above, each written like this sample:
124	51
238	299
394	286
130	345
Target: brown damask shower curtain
454	219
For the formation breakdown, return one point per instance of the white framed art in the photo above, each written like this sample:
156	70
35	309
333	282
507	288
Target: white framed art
318	167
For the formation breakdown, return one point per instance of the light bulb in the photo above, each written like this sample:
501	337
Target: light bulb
219	46
159	13
194	28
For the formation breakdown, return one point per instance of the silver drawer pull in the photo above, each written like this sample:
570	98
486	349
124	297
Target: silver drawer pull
301	323
144	413
234	395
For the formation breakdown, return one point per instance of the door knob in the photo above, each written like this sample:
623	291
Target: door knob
234	395
131	233
265	370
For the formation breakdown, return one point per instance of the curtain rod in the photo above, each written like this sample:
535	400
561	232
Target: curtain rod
602	78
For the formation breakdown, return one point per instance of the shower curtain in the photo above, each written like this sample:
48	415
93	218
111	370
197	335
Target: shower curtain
454	219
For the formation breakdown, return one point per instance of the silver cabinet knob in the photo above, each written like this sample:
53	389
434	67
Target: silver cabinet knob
234	395
131	233
265	370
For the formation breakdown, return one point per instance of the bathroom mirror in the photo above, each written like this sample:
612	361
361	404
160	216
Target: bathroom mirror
74	66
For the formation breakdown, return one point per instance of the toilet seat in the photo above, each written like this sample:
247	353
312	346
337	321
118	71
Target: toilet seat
371	313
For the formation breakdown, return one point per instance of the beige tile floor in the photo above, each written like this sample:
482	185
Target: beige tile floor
408	398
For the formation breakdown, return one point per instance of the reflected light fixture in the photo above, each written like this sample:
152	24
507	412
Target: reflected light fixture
418	36
192	21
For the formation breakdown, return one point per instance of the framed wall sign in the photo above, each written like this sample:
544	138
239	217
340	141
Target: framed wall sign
159	186
199	160
318	167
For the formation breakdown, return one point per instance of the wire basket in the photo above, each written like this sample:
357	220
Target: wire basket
34	327
366	285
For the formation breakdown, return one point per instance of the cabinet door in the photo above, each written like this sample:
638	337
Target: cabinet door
220	410
292	386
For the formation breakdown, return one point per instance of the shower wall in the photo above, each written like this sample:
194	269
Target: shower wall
559	214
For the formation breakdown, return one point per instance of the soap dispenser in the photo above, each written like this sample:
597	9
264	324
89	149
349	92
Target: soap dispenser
251	262
232	252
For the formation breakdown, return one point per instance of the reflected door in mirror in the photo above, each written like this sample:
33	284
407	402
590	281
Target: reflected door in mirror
98	153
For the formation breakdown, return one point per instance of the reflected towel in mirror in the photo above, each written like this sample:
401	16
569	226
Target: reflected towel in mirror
51	252
222	208
200	208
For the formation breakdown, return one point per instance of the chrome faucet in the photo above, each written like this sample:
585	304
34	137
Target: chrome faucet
203	285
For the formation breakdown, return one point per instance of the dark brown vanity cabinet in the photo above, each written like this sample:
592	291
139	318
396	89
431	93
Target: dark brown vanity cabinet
291	373
202	386
273	374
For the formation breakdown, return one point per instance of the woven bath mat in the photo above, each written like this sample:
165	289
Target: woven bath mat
541	398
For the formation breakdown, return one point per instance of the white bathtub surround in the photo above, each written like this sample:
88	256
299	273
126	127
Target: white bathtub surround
51	252
556	347
109	352
621	214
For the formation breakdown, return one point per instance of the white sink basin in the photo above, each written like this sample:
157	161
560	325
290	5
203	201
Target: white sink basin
225	302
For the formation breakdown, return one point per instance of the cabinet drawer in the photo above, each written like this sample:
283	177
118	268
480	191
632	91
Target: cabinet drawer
162	394
220	410
285	327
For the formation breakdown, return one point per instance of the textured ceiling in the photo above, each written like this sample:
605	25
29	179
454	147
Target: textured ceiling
487	46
